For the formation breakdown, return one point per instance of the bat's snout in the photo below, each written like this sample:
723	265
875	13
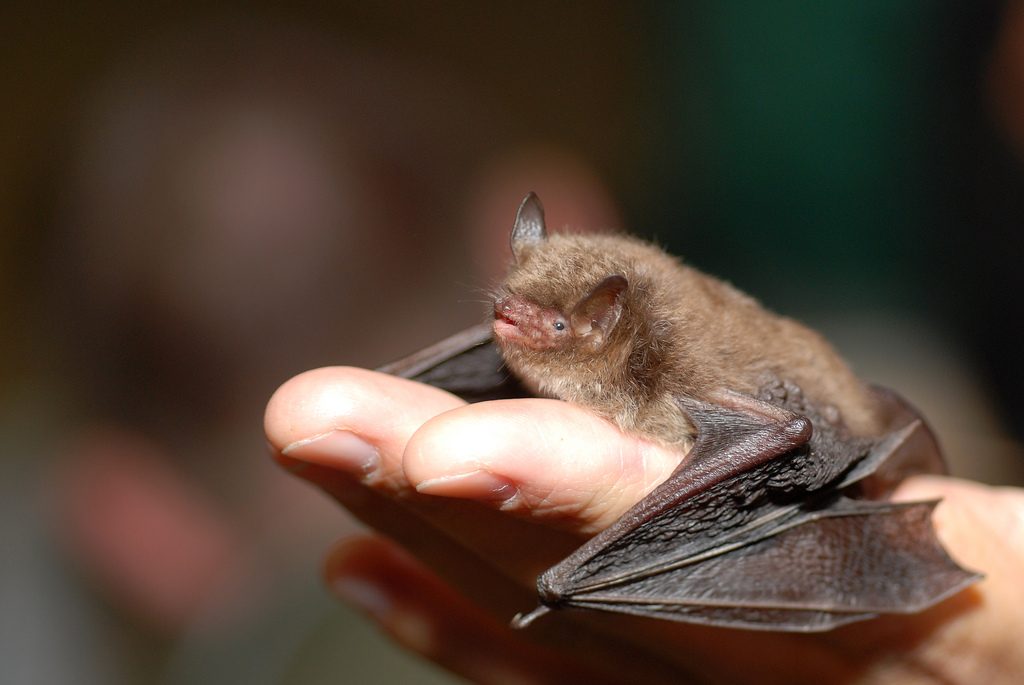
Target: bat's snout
506	309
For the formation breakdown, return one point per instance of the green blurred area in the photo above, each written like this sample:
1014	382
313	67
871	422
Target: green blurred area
800	129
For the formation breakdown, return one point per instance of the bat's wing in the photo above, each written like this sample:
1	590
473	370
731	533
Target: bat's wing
755	530
918	453
466	364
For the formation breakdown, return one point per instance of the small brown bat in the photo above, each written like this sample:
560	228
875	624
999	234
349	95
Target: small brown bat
776	519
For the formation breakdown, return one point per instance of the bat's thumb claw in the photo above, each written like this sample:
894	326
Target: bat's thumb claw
520	621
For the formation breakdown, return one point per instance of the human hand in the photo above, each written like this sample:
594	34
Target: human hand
485	496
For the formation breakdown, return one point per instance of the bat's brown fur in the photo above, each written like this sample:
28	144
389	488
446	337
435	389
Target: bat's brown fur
681	332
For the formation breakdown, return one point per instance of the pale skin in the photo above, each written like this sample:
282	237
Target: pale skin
487	495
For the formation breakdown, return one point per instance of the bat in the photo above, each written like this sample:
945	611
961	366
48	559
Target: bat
777	518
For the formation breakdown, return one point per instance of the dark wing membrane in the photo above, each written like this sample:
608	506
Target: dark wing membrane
918	453
466	364
739	536
814	571
720	493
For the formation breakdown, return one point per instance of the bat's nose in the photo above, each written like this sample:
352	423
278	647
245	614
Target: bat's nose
506	309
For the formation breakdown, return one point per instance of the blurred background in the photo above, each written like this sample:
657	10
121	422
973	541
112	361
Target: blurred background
199	200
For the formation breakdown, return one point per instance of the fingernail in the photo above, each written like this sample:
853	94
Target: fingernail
409	627
338	449
413	631
364	595
479	484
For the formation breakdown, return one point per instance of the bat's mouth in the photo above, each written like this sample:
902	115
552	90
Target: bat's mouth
505	327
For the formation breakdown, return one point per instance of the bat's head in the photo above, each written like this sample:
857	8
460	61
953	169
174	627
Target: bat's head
565	299
560	294
596	320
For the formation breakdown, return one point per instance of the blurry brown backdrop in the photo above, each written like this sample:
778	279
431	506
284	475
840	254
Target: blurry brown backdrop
198	201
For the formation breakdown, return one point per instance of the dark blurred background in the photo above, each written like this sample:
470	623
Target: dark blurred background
200	200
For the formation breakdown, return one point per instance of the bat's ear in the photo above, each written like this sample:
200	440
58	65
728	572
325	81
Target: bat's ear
594	317
529	227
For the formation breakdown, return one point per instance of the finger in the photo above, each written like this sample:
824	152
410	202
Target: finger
971	516
424	615
545	458
352	420
345	430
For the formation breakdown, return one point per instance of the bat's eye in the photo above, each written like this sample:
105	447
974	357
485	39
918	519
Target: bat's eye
559	325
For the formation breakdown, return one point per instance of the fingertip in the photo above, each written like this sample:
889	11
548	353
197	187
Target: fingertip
544	457
338	449
350	419
930	487
979	524
351	569
458	453
376	577
478	484
312	403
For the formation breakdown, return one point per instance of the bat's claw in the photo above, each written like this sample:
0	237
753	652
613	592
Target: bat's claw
520	621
